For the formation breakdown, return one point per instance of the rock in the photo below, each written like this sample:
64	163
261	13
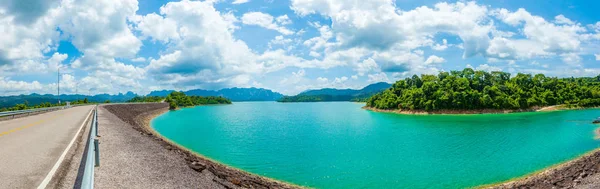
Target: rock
197	166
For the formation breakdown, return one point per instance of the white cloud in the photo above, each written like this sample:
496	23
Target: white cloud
367	66
485	67
139	59
162	29
379	25
280	40
55	61
11	87
380	77
571	58
597	57
434	59
561	19
236	2
266	21
441	47
543	36
294	78
283	20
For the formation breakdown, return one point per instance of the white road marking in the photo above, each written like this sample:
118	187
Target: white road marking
62	157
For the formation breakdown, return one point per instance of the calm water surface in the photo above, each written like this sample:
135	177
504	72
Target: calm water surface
340	145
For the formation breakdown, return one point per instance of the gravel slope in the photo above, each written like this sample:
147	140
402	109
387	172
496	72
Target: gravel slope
129	159
138	158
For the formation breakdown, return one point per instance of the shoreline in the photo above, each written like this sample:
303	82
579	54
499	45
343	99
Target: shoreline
566	174
569	173
230	177
582	169
450	112
474	112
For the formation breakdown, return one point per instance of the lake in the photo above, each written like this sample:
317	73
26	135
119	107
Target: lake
340	145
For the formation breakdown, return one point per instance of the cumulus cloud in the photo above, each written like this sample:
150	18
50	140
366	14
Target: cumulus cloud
367	66
236	2
267	21
280	40
379	25
283	20
561	19
27	12
441	47
375	39
11	87
379	77
485	67
434	59
543	37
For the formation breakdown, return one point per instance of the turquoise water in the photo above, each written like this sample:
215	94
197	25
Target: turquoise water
340	145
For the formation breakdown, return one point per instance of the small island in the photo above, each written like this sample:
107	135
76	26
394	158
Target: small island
179	99
469	92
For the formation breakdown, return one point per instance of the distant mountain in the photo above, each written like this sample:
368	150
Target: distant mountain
233	94
35	99
329	94
162	93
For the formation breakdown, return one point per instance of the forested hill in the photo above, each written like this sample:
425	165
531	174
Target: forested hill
329	94
233	94
35	99
473	90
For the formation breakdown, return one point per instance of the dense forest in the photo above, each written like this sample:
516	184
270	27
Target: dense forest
37	99
315	98
146	99
473	90
233	94
179	99
26	105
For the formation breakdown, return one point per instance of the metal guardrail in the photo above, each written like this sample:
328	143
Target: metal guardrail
91	156
28	111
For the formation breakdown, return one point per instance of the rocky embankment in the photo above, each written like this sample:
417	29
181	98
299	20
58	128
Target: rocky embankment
139	117
582	172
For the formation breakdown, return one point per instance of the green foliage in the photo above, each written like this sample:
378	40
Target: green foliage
27	105
472	90
107	101
315	98
146	99
179	99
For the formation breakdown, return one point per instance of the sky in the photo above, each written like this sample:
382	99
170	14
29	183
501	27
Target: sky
110	46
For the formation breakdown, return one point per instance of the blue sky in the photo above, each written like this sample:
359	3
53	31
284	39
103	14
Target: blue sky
288	46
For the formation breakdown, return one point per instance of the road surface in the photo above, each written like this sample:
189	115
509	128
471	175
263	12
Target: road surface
31	146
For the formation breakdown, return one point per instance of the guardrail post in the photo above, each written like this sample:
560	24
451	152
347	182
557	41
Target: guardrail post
96	118
97	150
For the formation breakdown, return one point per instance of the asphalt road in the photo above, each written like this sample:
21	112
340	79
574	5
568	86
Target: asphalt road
31	146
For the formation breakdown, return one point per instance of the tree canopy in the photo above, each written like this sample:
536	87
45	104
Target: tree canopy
179	99
26	105
146	99
472	90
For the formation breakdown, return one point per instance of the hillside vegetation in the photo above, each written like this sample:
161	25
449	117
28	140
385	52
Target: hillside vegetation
27	105
233	94
179	99
329	94
472	90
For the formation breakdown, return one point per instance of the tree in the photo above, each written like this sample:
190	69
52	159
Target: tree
469	89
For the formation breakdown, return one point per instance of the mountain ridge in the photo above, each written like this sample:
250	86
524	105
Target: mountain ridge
332	94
